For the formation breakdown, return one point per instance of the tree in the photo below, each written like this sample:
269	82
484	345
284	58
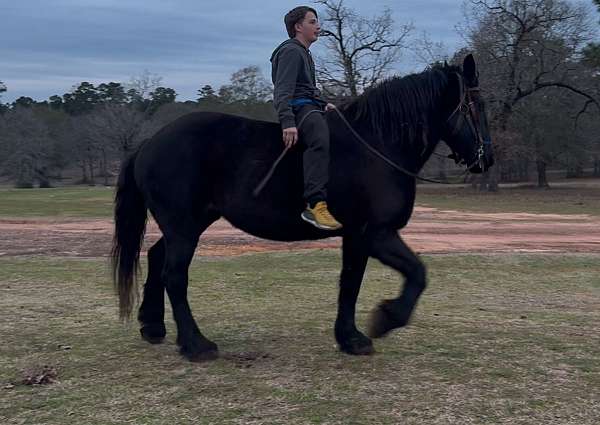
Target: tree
546	134
113	127
112	92
144	84
430	53
360	51
24	102
592	51
247	85
207	94
525	47
161	96
26	148
81	99
2	88
55	102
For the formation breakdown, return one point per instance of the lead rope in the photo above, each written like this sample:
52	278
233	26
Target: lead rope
266	179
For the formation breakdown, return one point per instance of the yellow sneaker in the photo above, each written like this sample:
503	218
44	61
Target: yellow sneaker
320	217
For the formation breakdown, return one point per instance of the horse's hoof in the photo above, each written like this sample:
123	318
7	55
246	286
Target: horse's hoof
381	322
203	356
154	334
358	346
204	352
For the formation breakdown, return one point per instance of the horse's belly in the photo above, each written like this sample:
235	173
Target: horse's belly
270	222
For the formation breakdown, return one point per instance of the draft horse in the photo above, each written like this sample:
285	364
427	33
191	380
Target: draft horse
205	165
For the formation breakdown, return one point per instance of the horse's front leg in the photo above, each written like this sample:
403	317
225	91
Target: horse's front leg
390	249
354	257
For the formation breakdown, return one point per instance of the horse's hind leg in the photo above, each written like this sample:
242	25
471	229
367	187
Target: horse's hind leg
181	238
152	311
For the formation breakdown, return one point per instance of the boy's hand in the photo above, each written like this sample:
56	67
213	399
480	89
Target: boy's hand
329	107
290	136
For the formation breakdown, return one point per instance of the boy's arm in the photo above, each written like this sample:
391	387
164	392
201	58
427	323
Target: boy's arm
289	62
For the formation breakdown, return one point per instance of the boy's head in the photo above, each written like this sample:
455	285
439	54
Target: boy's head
302	20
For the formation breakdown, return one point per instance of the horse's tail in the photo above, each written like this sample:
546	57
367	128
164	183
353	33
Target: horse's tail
130	225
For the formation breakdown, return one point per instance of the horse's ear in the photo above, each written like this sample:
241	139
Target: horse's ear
470	69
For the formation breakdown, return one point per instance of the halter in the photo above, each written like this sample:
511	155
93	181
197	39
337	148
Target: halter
466	108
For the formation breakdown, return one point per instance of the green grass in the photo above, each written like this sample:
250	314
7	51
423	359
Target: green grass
560	200
78	201
97	201
495	339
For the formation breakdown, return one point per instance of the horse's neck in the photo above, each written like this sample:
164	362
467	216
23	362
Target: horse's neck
429	135
412	150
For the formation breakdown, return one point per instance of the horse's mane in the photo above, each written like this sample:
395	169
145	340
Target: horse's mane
396	109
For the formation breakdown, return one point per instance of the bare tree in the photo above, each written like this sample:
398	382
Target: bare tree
247	85
26	147
144	84
525	47
360	50
429	52
117	125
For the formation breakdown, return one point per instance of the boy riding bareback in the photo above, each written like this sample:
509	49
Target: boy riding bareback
296	95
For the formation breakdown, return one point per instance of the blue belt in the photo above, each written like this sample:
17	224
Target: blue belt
305	101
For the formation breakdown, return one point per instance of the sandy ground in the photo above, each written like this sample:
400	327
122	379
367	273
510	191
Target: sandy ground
430	231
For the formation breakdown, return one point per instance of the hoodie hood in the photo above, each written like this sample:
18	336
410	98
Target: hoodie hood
292	41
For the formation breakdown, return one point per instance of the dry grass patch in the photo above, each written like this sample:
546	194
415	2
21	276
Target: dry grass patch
496	339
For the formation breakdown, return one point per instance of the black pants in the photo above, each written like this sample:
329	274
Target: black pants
314	135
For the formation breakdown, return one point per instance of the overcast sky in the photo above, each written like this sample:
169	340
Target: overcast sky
48	46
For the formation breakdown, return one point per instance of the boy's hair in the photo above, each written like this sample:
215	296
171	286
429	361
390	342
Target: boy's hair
294	16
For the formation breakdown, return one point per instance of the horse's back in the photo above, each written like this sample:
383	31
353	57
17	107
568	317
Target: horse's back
213	161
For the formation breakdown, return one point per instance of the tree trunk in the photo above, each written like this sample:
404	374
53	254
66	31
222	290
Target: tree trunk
104	167
91	167
483	181
596	166
541	172
489	180
42	177
524	170
84	175
493	178
24	176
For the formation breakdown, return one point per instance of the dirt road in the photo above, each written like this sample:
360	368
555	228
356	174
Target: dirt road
430	231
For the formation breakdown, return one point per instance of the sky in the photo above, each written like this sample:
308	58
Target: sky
49	46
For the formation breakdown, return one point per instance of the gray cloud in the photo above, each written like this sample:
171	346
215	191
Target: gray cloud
49	46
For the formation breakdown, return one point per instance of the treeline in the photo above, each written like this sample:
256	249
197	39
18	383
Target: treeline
539	69
93	127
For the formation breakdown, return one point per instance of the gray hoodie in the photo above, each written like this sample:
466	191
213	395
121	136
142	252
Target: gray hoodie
293	75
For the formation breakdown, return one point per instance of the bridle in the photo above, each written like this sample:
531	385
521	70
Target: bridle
467	111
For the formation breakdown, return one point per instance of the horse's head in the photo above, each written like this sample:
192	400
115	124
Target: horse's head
466	130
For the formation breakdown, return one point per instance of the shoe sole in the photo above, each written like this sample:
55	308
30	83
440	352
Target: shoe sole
317	225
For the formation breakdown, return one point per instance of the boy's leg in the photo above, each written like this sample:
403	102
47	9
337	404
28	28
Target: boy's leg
314	134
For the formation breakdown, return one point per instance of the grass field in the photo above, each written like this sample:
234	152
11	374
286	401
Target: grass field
76	201
90	202
496	339
557	200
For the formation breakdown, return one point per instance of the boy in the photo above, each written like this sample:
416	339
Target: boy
295	95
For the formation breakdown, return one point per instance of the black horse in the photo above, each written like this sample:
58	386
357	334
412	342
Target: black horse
205	165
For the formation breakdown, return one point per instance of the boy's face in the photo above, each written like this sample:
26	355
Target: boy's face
309	28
